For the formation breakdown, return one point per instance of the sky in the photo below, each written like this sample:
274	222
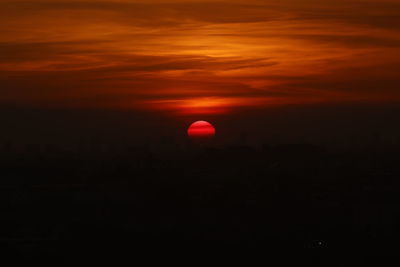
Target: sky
196	57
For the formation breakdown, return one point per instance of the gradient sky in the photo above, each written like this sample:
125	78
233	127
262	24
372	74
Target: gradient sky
197	56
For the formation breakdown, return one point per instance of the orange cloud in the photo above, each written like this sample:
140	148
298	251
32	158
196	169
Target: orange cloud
198	56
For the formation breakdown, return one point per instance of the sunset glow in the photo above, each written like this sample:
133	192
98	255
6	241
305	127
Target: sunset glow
198	57
185	128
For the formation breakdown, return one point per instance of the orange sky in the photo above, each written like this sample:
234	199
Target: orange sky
198	56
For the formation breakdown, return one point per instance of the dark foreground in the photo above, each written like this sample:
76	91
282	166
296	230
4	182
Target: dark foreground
294	205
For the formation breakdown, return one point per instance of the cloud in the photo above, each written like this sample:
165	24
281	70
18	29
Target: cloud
129	53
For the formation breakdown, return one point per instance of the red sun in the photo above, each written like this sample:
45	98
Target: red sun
201	129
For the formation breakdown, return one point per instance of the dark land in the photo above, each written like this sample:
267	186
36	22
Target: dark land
294	204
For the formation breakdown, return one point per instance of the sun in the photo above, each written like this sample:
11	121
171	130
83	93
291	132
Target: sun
201	129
